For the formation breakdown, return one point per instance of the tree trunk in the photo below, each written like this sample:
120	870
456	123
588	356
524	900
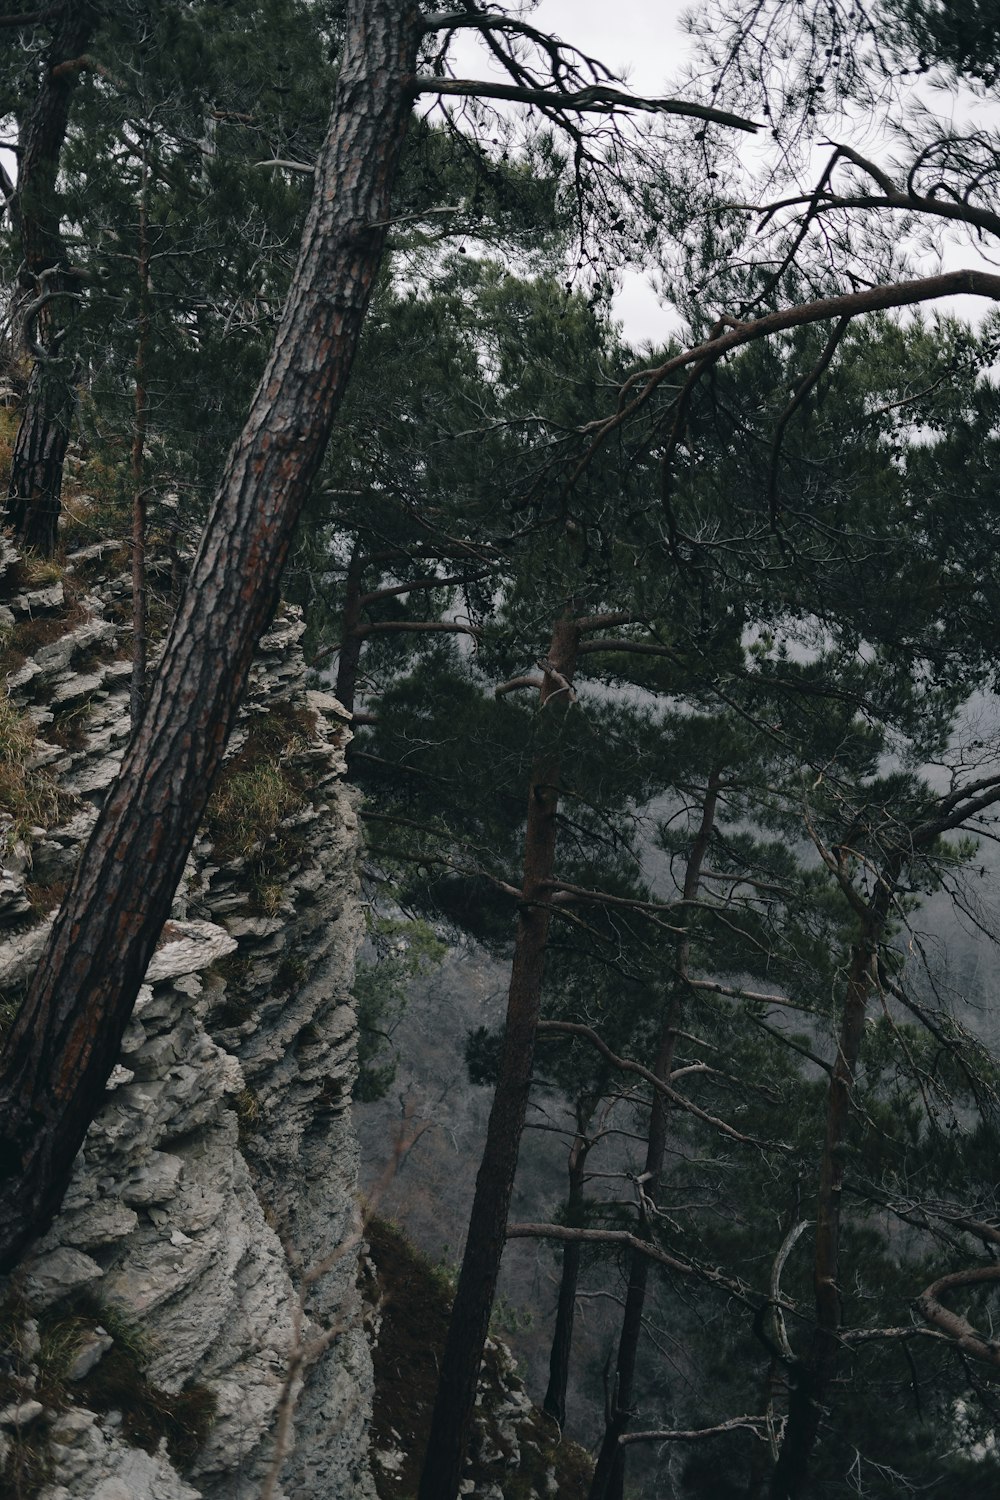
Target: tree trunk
65	1041
351	639
562	1336
609	1475
809	1385
36	469
140	422
36	472
470	1317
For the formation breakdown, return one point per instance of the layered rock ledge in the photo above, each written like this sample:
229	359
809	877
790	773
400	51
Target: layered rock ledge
209	1237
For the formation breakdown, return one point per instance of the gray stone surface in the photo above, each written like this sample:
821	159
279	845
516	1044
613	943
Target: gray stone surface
214	1203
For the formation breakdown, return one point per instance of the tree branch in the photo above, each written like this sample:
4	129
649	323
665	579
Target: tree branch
516	683
626	1065
958	1328
626	1241
30	17
399	627
850	304
694	1435
596	99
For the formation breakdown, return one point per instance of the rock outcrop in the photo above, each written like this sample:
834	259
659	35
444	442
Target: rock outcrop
197	1294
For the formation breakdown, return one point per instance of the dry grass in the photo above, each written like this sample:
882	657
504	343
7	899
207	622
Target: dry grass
30	798
247	807
23	639
45	895
257	789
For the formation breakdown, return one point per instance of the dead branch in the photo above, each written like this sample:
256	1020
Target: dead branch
777	1320
694	1435
954	1325
621	1237
516	683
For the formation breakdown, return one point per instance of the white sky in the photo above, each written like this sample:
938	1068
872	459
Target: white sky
644	39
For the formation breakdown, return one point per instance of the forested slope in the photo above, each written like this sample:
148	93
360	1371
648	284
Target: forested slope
670	669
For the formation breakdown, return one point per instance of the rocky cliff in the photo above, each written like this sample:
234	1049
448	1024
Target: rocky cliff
191	1325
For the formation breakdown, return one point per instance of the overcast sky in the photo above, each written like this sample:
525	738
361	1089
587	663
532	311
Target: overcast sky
645	40
641	37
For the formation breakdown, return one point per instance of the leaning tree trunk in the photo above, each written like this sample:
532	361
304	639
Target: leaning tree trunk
60	1050
609	1474
36	472
140	425
470	1317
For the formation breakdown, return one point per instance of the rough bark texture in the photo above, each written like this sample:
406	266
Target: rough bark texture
609	1474
40	447
456	1395
60	1051
36	470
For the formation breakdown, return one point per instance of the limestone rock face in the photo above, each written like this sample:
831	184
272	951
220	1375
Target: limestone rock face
210	1230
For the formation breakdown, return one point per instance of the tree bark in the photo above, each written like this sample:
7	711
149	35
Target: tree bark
36	469
140	423
452	1418
562	1335
809	1385
351	639
35	484
609	1474
60	1050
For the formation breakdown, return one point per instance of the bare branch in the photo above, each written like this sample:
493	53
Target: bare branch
597	99
293	166
778	1322
634	648
626	1241
518	682
954	1325
909	1331
400	627
756	1425
30	17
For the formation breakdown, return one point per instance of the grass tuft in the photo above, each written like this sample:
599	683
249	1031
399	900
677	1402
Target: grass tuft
30	798
257	789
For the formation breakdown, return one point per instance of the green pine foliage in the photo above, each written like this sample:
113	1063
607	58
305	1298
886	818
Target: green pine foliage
793	566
